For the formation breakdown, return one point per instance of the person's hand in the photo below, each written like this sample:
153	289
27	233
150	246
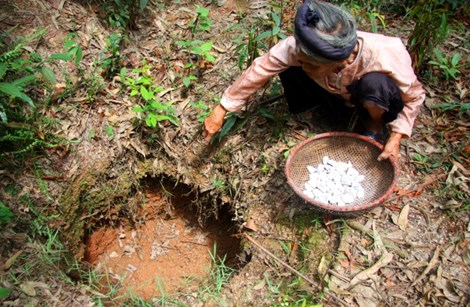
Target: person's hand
392	147
213	123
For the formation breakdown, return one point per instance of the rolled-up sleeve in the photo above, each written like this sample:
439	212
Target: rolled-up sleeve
411	89
279	58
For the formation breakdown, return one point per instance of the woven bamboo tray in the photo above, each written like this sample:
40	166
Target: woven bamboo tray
380	177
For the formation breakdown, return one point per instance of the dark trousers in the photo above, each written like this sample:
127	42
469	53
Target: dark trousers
302	94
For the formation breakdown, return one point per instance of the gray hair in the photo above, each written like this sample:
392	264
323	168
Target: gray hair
335	26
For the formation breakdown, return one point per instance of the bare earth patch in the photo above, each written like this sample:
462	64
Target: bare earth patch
168	252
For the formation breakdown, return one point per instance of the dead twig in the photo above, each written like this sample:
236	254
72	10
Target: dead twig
338	275
430	266
329	294
421	187
390	244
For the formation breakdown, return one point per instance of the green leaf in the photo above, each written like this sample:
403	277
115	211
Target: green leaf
159	106
183	43
145	93
173	120
202	11
276	30
161	117
151	120
138	109
206	46
3	114
263	35
142	4
3	69
209	57
144	80
440	56
241	58
61	56
4	292
229	123
24	80
186	81
109	131
48	74
276	19
455	59
266	114
5	215
78	55
35	57
69	44
15	91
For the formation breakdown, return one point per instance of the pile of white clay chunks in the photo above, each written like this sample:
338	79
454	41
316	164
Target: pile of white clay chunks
333	182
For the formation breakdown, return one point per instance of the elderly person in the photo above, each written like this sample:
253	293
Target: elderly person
328	60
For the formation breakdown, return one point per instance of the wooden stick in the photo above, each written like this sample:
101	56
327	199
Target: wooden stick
313	283
389	243
421	187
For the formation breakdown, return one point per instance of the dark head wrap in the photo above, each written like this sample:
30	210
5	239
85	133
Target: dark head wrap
305	23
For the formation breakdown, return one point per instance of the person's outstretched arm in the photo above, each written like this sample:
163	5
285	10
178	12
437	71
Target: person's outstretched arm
279	58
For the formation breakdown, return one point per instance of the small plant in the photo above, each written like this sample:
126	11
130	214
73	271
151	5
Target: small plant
218	183
431	28
452	105
202	109
202	51
200	48
73	50
17	141
447	65
423	162
226	128
111	58
143	86
366	13
219	276
373	16
19	71
4	292
274	34
289	146
277	119
247	51
202	22
5	214
123	13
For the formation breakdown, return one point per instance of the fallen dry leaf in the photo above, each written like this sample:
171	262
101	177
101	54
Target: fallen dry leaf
446	286
403	218
28	288
466	255
250	225
260	285
434	260
11	260
367	273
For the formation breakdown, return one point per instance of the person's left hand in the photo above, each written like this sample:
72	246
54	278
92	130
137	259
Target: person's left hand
392	147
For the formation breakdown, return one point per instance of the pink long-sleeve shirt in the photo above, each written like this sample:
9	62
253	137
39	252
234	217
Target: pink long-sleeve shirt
377	53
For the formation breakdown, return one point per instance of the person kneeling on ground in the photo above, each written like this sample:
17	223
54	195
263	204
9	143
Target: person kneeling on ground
328	61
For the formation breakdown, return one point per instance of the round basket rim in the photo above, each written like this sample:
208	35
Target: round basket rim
334	208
